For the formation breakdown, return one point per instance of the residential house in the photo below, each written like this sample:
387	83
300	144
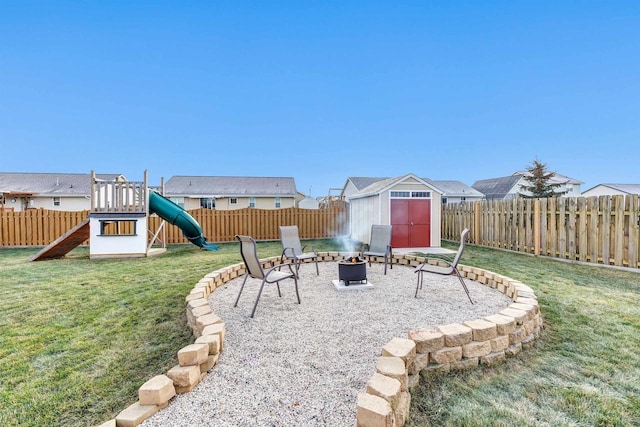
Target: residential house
612	190
510	187
231	192
54	191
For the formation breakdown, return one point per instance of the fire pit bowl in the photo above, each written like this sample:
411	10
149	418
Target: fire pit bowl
352	270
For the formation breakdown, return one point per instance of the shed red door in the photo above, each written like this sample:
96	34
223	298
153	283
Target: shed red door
411	221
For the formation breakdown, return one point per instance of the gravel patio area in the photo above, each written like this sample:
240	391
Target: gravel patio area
304	365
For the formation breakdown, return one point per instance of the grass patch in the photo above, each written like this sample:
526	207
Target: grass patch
78	337
584	370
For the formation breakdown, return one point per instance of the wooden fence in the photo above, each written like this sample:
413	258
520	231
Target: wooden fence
604	229
39	227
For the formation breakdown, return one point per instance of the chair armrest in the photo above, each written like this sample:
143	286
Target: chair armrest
313	249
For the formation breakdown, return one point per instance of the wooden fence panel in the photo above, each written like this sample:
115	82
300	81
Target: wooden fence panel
39	227
604	229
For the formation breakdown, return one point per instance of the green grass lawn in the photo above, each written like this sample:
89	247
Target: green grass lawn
585	371
79	337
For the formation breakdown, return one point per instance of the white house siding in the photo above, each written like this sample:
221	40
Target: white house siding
67	203
224	203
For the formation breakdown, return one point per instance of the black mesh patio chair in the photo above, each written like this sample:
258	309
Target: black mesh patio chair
249	253
451	268
379	245
292	249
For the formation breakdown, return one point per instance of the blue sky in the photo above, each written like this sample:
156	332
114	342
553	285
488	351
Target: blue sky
321	91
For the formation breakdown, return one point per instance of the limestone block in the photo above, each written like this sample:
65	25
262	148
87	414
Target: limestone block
464	364
499	343
206	320
513	350
210	363
456	334
156	391
402	411
427	340
213	341
419	363
414	381
193	354
191	297
519	315
374	411
184	376
393	367
400	347
442	368
197	302
447	355
482	330
504	324
199	293
110	423
218	329
476	349
528	341
528	308
385	387
493	358
529	326
135	414
517	335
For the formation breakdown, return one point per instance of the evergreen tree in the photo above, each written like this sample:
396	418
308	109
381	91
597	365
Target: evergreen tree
539	178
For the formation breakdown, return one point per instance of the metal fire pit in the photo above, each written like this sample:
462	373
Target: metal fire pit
352	270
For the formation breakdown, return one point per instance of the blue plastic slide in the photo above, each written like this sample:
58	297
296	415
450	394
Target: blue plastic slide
175	215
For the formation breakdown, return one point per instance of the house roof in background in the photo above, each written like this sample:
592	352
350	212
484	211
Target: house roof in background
229	186
556	178
623	188
451	188
496	188
361	182
54	184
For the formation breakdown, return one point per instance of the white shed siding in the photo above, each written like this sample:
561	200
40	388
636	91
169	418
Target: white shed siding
364	213
602	190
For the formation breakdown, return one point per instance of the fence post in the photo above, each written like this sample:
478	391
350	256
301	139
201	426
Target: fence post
476	223
536	227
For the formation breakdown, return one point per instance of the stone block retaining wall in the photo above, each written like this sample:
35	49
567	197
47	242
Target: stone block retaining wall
386	400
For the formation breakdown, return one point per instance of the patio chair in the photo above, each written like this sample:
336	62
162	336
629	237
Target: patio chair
451	268
249	254
293	251
379	245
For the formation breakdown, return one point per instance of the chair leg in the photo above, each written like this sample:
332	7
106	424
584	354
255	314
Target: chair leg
418	283
317	270
295	279
241	288
278	286
464	285
385	264
258	298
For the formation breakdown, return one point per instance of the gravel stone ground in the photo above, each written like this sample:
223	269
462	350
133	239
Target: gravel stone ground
304	365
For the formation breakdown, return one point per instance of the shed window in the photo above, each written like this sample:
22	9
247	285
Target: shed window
400	194
421	194
118	227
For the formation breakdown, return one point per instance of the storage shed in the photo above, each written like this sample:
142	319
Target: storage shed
408	203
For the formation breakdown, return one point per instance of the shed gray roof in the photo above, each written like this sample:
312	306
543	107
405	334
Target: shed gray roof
230	186
379	186
496	188
55	184
447	187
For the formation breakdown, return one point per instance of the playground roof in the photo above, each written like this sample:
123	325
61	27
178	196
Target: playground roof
230	186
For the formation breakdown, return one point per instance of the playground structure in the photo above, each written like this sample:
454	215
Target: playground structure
117	226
